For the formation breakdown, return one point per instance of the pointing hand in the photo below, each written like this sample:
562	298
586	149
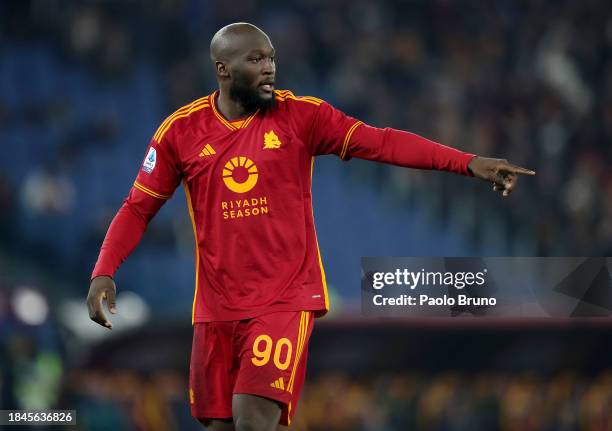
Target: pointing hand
502	174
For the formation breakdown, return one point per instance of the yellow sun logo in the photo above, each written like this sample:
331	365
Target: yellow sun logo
248	167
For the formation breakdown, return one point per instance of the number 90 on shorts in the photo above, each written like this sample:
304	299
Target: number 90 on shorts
264	349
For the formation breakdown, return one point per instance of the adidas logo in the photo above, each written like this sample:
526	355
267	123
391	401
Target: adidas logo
207	151
278	384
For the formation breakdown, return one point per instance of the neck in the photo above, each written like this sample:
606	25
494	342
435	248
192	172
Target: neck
231	109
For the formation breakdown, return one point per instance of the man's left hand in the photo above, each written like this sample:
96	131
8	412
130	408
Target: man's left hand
502	174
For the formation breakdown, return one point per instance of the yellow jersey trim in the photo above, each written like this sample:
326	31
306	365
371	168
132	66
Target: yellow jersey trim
302	335
197	251
283	95
219	116
150	192
323	279
182	112
246	122
347	138
234	125
289	93
297	352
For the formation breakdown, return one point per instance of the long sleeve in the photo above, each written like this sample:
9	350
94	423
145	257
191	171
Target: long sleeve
334	132
406	149
157	179
125	231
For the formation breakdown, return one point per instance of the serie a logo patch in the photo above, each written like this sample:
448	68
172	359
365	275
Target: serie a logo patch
149	162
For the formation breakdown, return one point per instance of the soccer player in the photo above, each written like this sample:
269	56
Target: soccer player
244	155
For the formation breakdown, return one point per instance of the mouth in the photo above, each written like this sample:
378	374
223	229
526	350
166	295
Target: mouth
267	86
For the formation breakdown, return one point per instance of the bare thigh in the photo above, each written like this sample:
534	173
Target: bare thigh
250	413
218	424
254	413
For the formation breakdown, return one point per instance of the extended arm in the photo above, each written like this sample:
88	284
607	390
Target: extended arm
334	132
407	149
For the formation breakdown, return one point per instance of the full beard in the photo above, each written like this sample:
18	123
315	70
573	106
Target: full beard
249	97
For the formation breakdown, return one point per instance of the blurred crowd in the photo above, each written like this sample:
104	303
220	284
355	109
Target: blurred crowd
530	81
334	401
409	378
83	85
38	371
458	402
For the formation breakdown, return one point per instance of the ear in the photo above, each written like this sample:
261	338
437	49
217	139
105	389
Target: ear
221	69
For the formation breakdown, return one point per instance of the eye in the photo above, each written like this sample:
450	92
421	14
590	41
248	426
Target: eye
255	60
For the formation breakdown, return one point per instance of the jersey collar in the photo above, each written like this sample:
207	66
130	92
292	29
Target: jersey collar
245	123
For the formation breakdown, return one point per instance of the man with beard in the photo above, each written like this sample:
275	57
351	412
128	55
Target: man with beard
245	155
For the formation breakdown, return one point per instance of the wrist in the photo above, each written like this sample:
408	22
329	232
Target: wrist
100	275
470	165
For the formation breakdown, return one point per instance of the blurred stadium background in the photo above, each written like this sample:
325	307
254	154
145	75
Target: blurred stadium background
83	85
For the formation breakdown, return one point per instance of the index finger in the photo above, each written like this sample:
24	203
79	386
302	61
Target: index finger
519	170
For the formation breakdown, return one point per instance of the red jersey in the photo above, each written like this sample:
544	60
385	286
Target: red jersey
248	188
248	193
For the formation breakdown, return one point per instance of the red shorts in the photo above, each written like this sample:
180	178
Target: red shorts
263	356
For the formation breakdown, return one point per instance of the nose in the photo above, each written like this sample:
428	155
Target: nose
269	68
